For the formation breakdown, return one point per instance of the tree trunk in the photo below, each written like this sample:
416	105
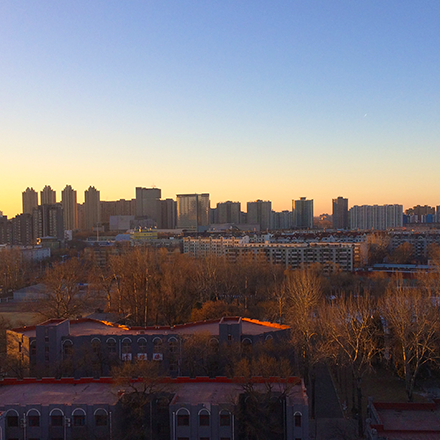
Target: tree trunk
360	415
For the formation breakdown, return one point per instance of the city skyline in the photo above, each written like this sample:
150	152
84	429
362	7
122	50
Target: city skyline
246	101
287	206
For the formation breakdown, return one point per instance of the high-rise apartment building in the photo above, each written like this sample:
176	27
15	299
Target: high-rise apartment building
260	213
48	196
228	212
340	213
48	221
168	214
379	217
193	211
21	230
147	203
70	208
303	213
30	200
92	208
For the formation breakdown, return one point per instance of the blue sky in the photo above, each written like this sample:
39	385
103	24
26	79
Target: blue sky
244	100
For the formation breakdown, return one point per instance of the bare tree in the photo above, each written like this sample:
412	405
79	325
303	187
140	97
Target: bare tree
63	298
351	335
413	322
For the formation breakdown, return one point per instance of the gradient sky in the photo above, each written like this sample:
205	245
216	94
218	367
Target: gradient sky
242	99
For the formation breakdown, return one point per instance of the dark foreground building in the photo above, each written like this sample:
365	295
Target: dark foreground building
88	347
183	409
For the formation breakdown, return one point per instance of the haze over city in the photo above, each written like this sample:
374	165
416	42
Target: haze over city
246	101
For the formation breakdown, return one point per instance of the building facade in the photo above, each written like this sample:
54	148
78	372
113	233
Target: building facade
92	208
260	213
30	200
48	196
147	203
70	208
340	213
193	212
303	209
377	217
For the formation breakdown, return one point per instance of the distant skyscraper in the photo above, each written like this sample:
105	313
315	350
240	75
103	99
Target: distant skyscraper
70	208
260	213
22	230
147	203
92	208
228	212
168	214
193	211
304	213
30	200
379	217
48	196
340	213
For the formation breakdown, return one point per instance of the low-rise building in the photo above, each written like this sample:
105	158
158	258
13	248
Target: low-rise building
189	409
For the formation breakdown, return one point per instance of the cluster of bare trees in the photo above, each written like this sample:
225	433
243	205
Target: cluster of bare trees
354	331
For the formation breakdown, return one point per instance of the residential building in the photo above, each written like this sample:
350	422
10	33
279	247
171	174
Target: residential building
228	212
193	212
48	196
147	203
70	208
48	221
92	208
21	230
260	213
303	209
30	200
340	213
332	256
168	214
377	217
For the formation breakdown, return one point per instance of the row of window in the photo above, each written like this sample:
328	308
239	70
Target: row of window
204	419
100	419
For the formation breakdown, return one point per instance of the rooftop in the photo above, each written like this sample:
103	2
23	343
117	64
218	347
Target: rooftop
86	327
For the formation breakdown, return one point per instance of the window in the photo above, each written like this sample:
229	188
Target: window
182	419
68	348
33	348
225	419
172	344
142	345
204	419
12	421
101	419
34	420
96	345
298	419
56	420
111	345
79	420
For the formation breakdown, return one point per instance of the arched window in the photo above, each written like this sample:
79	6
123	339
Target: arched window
33	417
142	345
67	348
182	417
172	344
157	342
225	418
111	345
33	348
204	417
101	417
12	418
126	349
246	344
298	419
214	344
56	417
96	345
79	417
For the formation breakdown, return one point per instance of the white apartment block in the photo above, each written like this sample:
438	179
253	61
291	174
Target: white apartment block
332	256
378	217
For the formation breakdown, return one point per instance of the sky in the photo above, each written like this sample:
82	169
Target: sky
246	100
